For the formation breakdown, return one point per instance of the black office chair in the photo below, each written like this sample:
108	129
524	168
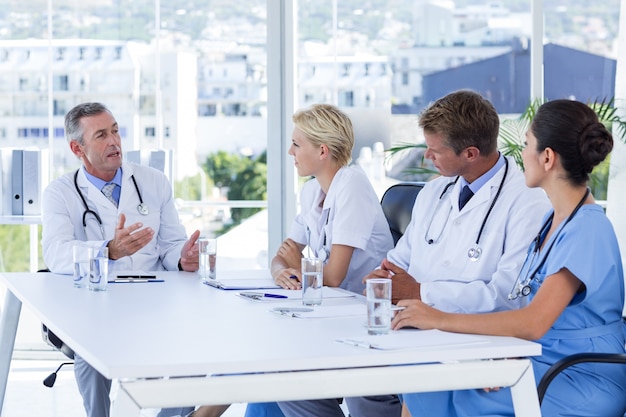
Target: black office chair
53	340
571	360
397	204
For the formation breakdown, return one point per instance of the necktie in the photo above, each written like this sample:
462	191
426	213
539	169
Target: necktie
107	190
465	196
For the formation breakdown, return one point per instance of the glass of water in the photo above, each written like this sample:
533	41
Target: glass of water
312	281
378	293
98	268
207	253
80	257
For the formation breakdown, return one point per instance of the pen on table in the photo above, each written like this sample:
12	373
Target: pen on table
400	308
132	280
136	277
262	294
356	343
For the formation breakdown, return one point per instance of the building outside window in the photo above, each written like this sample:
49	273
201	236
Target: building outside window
197	85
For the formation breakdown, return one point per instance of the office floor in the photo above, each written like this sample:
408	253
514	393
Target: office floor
26	395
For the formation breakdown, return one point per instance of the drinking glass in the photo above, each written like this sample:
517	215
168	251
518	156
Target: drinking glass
98	268
378	293
80	257
312	281
207	253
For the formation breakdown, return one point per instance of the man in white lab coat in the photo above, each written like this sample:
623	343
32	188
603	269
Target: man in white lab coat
138	221
459	253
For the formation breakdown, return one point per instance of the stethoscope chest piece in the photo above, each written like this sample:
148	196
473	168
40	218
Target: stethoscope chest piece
474	253
322	254
142	208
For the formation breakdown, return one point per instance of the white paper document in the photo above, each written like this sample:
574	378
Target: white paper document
281	294
246	279
412	339
322	312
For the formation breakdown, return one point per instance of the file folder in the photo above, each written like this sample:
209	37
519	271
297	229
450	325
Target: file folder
31	186
17	206
7	187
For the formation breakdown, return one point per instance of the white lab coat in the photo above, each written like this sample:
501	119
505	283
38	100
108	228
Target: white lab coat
449	279
63	219
349	215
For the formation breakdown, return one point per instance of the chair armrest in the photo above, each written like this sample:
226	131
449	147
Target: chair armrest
570	360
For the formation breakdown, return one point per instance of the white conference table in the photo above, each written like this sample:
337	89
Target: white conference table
180	342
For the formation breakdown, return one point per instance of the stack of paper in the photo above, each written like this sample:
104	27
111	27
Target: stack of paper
281	294
248	279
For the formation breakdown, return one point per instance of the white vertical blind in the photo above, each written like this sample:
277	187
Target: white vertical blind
536	50
281	79
616	197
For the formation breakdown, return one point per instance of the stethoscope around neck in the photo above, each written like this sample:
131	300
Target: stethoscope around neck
522	287
322	252
474	253
142	208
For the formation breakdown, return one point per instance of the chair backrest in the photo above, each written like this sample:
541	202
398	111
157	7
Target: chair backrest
397	204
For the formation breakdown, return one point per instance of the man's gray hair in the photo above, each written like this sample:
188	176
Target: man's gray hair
73	128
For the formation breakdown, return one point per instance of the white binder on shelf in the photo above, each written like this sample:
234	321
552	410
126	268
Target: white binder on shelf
17	206
32	182
7	187
24	175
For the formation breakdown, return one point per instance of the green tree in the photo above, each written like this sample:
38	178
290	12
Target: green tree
245	178
15	248
249	184
223	167
190	188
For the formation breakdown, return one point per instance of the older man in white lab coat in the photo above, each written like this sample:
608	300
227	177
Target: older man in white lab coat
138	221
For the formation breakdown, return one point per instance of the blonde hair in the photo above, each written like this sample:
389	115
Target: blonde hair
324	124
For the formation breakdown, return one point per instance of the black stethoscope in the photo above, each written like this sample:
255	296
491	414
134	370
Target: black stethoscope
475	251
522	287
142	208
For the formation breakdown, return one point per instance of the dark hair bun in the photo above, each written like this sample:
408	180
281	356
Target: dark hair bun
595	143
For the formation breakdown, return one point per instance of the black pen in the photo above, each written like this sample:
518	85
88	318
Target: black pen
136	276
132	280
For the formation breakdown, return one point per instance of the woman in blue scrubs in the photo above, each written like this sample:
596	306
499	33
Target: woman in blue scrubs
573	272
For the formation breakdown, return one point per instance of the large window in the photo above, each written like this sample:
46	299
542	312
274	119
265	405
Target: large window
426	49
188	77
193	78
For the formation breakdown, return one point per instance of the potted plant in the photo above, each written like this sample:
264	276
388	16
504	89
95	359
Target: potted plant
511	143
512	132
